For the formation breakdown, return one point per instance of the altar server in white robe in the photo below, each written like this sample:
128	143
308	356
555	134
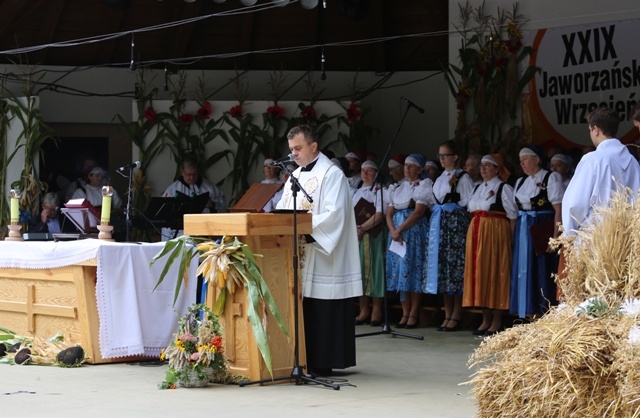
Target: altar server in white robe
329	260
600	173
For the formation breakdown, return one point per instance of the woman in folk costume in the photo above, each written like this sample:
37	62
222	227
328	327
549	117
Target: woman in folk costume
447	235
371	242
538	196
487	270
408	229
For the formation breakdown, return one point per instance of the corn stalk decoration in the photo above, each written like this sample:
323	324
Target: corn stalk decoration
5	159
33	133
138	131
227	265
487	84
187	135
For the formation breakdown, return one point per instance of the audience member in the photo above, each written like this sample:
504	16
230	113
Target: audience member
51	219
433	169
355	159
538	196
472	167
408	231
92	191
271	173
192	184
447	234
487	270
85	166
284	176
635	116
372	245
396	167
563	165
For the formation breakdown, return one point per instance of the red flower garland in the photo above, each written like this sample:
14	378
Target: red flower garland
275	111
308	114
236	112
150	115
186	118
205	111
353	112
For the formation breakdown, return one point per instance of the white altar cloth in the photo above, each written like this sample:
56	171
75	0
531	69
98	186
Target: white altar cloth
134	319
43	255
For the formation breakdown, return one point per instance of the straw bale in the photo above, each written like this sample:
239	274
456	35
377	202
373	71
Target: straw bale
567	364
604	258
562	365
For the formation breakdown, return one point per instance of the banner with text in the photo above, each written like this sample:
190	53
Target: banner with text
583	67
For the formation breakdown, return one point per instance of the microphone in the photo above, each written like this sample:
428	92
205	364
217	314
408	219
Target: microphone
411	104
283	160
132	66
131	166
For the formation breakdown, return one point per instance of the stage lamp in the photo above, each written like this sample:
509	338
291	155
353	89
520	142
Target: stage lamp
309	4
248	2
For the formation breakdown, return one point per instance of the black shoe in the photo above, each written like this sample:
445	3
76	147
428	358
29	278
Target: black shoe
414	325
399	325
490	333
442	327
479	331
452	329
375	323
362	321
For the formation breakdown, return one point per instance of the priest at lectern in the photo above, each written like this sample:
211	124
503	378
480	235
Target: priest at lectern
329	260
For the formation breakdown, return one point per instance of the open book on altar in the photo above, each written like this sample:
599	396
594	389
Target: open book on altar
83	214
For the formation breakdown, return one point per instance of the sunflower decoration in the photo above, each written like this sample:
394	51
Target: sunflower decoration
55	351
227	264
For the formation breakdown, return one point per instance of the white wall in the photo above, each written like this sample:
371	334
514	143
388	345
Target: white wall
419	133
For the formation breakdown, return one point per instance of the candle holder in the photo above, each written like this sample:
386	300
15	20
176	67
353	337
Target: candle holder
105	232
14	233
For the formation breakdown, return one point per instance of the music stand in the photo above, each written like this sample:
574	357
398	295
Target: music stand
297	376
386	329
169	211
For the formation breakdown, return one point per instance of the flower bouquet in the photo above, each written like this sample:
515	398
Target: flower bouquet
195	355
228	264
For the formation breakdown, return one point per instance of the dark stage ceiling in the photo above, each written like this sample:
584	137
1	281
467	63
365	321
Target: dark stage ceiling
227	34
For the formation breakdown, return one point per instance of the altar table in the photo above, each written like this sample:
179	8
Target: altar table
98	294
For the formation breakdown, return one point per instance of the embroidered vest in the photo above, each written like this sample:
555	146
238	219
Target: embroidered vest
496	206
540	201
453	196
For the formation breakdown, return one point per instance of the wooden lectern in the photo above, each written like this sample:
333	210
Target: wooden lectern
271	235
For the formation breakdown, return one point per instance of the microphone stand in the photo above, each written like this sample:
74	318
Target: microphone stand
129	207
297	376
386	329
